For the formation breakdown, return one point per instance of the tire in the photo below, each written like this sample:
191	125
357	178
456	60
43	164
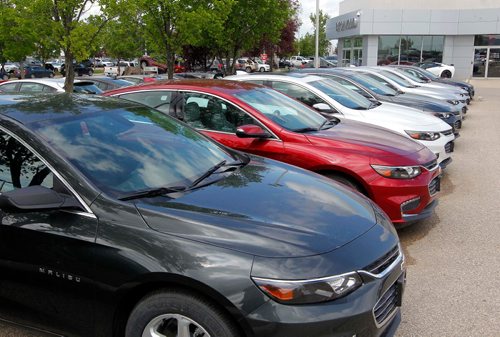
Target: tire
91	72
144	64
261	70
446	74
200	316
5	77
345	181
32	76
248	69
51	75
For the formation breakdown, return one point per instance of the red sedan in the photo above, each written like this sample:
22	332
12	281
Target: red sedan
400	175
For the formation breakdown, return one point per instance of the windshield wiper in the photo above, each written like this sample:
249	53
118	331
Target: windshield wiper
153	192
213	169
308	129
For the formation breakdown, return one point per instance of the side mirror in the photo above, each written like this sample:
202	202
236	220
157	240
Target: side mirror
323	107
35	198
251	131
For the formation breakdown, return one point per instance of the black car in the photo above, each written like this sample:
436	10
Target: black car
118	220
81	68
36	72
377	92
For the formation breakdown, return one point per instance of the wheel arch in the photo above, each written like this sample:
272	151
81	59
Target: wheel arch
347	174
129	295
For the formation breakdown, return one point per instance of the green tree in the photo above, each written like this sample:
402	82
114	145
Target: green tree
170	25
249	23
323	41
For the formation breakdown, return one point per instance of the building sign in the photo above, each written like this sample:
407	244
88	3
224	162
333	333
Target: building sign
346	24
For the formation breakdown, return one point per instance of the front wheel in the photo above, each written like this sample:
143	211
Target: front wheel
248	69
261	69
91	73
178	313
345	181
446	74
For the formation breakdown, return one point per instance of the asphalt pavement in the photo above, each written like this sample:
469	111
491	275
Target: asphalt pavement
453	258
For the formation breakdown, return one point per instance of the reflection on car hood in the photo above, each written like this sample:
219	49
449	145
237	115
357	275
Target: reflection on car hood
376	140
267	209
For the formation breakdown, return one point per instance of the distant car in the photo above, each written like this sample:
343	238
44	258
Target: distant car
11	68
106	83
4	75
261	66
36	72
104	63
245	64
81	68
148	61
138	79
51	85
298	61
438	69
54	66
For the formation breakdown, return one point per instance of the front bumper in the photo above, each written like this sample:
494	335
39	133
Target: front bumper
353	315
442	147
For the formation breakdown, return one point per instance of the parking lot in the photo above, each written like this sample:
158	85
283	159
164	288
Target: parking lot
453	285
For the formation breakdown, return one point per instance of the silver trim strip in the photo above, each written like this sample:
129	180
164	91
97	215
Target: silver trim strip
398	261
57	174
313	280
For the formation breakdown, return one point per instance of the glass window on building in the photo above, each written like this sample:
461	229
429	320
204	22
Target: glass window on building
487	40
432	48
388	49
407	49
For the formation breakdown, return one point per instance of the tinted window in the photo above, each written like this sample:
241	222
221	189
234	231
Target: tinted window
130	149
19	167
281	109
344	96
154	99
31	87
10	87
212	113
375	86
297	92
398	79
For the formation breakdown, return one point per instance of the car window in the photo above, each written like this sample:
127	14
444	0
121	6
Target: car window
46	88
19	167
349	85
374	85
31	87
297	92
154	99
212	113
9	87
341	95
396	78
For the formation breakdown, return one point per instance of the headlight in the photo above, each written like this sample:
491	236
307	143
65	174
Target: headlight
453	101
309	291
398	172
423	135
443	115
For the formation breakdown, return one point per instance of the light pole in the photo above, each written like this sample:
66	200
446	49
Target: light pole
316	56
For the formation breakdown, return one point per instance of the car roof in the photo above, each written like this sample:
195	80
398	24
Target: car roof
28	109
289	77
202	84
57	83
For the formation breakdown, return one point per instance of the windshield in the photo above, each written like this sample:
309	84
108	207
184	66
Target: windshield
396	78
131	149
281	109
346	97
427	73
374	85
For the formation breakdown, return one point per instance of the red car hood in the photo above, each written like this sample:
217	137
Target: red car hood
374	141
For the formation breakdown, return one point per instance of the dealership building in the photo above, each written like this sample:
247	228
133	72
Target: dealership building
464	33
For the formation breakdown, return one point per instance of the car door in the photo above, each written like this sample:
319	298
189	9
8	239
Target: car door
219	119
45	268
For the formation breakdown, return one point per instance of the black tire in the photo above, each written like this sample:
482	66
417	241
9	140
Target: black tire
91	72
32	76
51	75
5	77
345	181
248	69
201	313
446	74
261	69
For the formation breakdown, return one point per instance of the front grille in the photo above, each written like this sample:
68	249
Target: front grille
386	305
449	147
434	186
384	262
410	205
432	165
447	132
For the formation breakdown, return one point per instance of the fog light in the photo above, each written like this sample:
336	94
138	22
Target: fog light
410	205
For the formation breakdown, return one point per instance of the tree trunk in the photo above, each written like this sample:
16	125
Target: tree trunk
170	63
70	72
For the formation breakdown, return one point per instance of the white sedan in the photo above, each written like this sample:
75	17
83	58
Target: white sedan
332	100
439	69
50	85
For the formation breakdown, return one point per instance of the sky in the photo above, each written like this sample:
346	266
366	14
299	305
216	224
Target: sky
331	7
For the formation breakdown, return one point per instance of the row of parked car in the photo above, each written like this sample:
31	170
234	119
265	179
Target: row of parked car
171	207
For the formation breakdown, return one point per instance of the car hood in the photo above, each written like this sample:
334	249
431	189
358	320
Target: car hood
265	209
399	118
376	141
420	102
